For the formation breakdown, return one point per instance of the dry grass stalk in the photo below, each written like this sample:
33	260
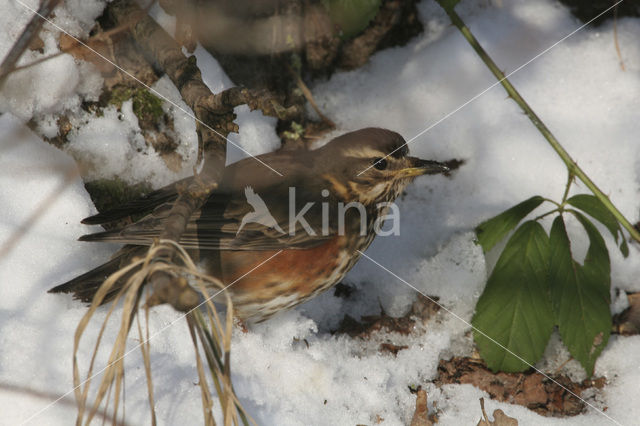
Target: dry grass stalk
207	402
615	37
146	349
215	338
213	333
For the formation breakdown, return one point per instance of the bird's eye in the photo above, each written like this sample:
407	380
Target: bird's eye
380	163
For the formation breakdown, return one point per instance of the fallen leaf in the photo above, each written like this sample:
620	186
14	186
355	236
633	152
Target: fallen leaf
390	347
70	45
421	310
36	44
499	418
627	322
421	415
531	389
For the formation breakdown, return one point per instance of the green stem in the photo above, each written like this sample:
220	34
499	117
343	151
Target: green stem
547	214
553	202
573	168
566	189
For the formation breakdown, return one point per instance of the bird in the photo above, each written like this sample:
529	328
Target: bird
327	202
260	213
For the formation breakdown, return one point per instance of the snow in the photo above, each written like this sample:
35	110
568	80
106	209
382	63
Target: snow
577	88
257	132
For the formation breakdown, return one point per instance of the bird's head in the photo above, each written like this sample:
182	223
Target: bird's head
372	165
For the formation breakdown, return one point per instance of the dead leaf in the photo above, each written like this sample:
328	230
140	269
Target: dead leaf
421	310
70	45
421	415
390	347
499	418
531	389
36	44
627	322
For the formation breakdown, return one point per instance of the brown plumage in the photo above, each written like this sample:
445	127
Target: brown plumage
233	233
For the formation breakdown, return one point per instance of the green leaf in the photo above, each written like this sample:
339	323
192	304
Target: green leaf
493	230
597	260
592	206
514	310
580	294
624	248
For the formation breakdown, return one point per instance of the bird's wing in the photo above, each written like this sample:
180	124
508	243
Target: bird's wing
139	206
215	226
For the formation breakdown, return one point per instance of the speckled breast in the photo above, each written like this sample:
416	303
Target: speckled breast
260	287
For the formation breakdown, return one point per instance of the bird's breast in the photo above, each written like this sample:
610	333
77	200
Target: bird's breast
262	283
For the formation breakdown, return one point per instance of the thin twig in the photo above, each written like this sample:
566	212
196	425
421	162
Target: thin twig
75	44
30	31
309	97
615	36
513	93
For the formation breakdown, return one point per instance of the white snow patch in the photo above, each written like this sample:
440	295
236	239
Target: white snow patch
577	88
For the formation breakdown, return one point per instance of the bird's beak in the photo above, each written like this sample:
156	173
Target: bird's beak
418	167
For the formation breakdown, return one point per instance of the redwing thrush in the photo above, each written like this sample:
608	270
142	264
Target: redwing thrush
254	213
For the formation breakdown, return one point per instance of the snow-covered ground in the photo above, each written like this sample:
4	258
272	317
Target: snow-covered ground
577	88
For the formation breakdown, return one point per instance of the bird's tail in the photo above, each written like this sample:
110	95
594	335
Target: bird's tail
85	286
